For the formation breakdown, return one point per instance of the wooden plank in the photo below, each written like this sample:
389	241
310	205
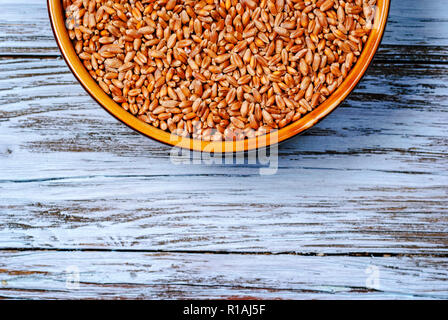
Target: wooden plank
43	275
371	178
411	22
25	27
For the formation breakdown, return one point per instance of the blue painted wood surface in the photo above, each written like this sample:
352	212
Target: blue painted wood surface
363	194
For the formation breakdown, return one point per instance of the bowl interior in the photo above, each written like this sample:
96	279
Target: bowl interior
304	123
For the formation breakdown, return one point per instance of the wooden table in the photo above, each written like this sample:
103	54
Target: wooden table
361	196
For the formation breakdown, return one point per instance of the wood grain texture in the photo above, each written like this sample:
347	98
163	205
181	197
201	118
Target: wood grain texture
124	275
366	186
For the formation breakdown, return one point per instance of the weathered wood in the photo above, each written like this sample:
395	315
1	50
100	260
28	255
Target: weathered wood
370	178
25	27
412	54
137	275
367	186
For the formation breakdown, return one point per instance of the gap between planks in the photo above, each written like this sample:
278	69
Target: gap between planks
227	252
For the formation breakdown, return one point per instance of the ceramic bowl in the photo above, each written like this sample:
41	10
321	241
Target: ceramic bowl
307	121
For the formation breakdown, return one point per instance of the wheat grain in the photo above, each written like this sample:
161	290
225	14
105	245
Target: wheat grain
219	69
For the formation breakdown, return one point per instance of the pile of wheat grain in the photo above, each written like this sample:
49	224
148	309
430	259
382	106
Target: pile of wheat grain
219	69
